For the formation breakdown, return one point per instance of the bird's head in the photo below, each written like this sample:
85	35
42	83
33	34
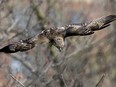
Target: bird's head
55	37
58	41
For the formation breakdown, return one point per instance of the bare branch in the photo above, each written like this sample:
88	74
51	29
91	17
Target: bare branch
17	80
64	80
99	84
13	25
26	63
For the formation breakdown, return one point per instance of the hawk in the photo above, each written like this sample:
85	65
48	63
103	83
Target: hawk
56	35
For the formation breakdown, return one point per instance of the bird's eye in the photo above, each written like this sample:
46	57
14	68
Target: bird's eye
58	39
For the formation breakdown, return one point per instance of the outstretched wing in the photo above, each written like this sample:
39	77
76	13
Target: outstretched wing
24	45
88	28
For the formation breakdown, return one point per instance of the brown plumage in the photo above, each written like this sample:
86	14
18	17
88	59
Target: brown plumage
88	28
22	45
56	36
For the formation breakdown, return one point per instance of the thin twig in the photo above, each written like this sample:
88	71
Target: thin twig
25	63
85	48
17	80
13	25
64	80
99	84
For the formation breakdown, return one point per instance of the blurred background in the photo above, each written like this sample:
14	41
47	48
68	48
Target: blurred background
82	62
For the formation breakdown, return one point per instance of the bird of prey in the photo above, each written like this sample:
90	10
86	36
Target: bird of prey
56	35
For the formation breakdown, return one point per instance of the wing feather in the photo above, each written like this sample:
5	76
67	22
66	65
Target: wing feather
24	45
88	28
